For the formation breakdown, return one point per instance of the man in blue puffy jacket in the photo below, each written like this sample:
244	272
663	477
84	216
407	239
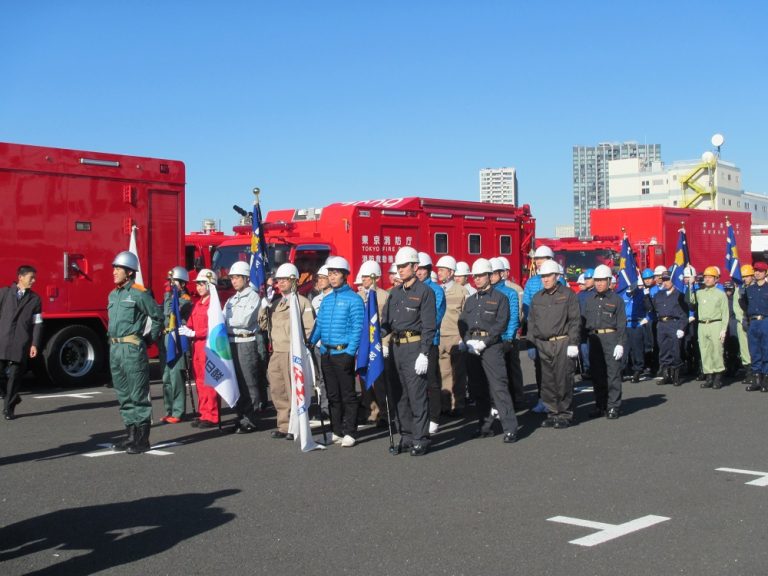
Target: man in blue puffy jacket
337	329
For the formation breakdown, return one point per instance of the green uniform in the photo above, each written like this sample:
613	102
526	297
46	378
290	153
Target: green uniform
738	313
174	396
129	307
713	315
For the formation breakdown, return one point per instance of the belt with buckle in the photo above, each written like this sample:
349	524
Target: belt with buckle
708	321
336	346
668	318
130	339
758	317
482	333
603	331
553	338
408	339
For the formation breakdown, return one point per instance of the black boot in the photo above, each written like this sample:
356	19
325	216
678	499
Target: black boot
667	378
708	381
717	382
748	376
758	381
141	442
635	377
128	440
676	376
763	383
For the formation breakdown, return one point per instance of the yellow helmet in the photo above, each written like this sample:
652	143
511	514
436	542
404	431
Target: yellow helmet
712	271
747	270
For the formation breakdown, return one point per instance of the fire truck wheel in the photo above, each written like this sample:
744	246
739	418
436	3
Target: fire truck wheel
74	356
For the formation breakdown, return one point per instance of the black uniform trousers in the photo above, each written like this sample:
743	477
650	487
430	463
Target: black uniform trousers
434	384
634	348
339	376
669	344
556	377
606	371
409	390
10	384
514	372
488	378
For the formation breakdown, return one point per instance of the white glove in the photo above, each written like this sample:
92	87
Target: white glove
573	351
422	363
479	347
691	319
184	331
680	334
532	353
385	351
644	321
618	352
722	336
462	346
471	347
646	290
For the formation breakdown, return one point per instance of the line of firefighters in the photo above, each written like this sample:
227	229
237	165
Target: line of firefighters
441	338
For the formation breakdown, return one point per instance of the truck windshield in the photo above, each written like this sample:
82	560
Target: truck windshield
225	256
574	262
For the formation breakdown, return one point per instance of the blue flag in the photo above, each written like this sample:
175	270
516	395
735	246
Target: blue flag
370	357
627	267
258	250
732	256
682	260
176	344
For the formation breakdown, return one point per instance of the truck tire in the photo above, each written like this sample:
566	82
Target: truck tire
74	356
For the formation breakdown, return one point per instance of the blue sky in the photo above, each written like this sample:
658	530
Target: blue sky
317	102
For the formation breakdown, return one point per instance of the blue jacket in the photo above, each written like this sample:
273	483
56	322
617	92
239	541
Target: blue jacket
439	306
634	307
514	317
339	321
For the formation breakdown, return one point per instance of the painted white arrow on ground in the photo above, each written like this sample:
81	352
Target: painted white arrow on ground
606	532
762	481
81	395
155	450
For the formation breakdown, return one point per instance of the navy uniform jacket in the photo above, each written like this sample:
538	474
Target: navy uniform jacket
605	311
671	305
21	324
555	313
411	309
754	300
486	310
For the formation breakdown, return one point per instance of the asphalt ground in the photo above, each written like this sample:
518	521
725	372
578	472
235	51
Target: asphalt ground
248	504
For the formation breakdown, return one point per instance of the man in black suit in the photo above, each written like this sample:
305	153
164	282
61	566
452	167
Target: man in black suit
21	327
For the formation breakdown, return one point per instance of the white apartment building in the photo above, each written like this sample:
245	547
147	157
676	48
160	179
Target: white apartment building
633	183
498	185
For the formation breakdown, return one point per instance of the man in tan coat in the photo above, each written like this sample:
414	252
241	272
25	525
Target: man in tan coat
276	320
451	356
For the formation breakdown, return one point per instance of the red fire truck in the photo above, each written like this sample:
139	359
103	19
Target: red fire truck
376	229
653	233
68	213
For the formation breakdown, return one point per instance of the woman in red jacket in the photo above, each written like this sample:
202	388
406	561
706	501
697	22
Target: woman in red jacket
197	331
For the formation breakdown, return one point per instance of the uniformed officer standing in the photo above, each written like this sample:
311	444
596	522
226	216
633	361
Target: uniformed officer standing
742	322
338	328
241	314
410	317
712	312
129	306
462	277
589	290
482	323
453	372
605	323
672	316
276	319
637	320
554	324
174	386
509	336
21	328
754	301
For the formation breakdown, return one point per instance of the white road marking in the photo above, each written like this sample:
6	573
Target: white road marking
81	395
606	532
762	481
154	450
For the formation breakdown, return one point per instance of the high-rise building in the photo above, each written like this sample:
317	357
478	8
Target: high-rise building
590	175
498	185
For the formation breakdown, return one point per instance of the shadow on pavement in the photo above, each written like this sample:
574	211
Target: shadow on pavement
114	534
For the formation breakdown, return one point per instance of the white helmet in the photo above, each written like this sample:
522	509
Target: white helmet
433	276
424	260
481	266
337	263
240	268
659	270
393	268
505	261
206	275
126	259
689	272
581	279
496	264
447	262
323	270
287	270
602	272
549	267
180	273
358	279
543	252
462	269
406	255
371	268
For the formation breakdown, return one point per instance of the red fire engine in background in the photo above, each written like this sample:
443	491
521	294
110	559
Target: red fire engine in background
376	229
653	234
68	213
